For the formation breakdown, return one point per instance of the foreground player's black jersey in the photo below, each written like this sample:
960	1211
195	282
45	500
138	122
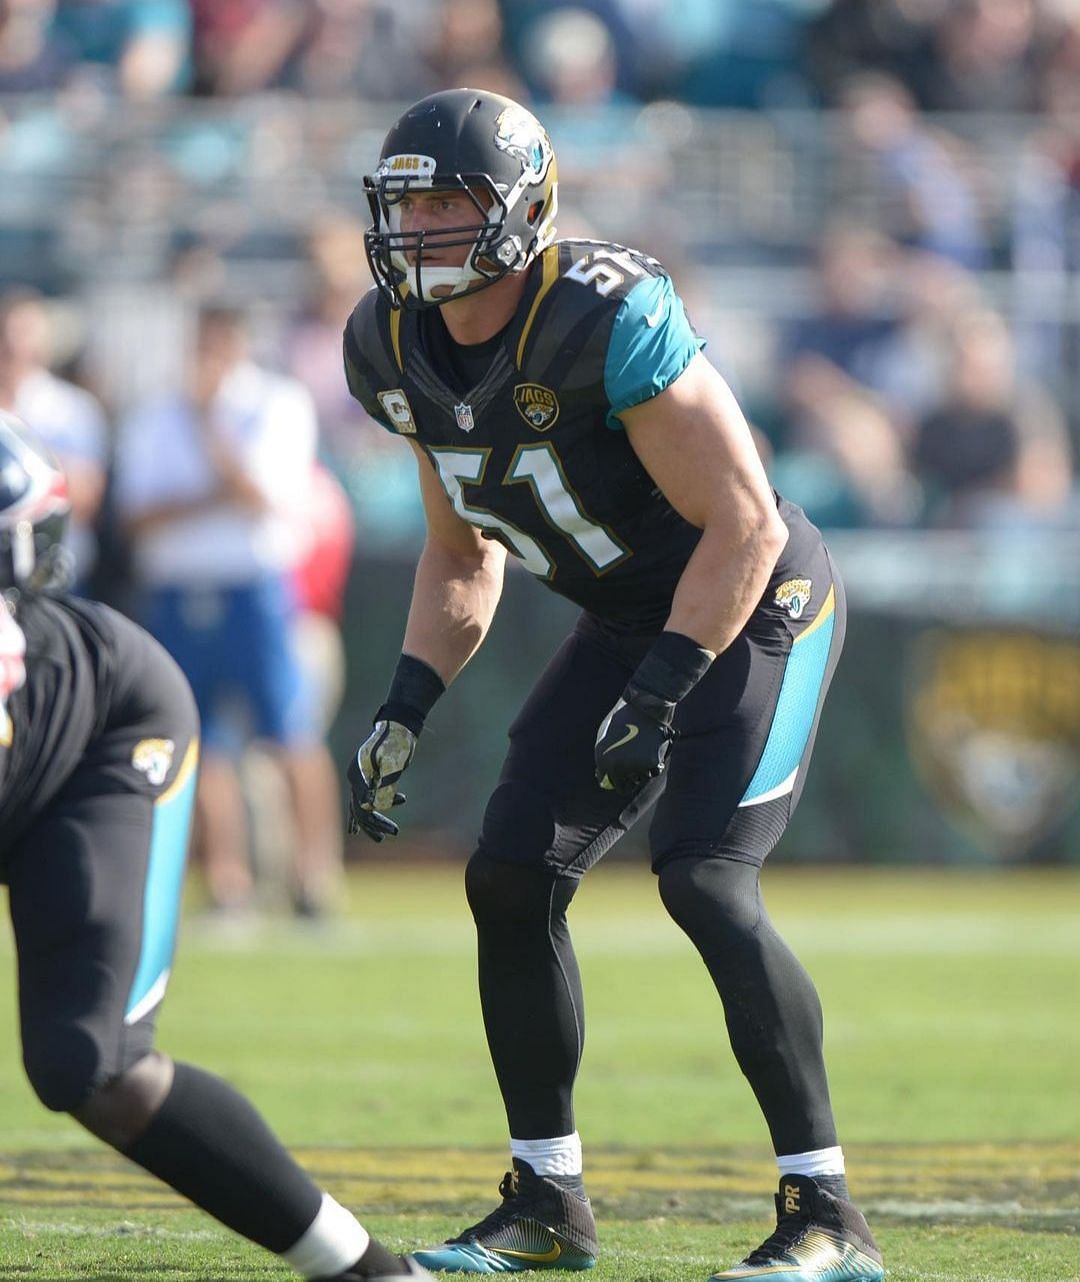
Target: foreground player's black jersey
534	453
73	655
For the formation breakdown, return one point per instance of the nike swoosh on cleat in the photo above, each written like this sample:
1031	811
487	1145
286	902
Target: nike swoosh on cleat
631	733
534	1257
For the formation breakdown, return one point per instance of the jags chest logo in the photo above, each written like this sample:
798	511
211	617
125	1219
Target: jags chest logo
794	596
537	405
153	757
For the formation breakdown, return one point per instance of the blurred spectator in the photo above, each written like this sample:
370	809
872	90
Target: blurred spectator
523	20
909	372
1046	218
571	60
325	525
726	53
851	36
241	46
924	193
66	417
993	451
845	465
380	49
210	482
470	36
983	58
380	480
852	317
143	44
337	276
320	579
32	55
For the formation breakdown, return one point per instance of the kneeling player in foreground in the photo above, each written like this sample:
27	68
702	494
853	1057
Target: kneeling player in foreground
98	753
560	409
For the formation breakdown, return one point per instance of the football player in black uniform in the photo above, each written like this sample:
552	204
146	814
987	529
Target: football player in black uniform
561	410
98	752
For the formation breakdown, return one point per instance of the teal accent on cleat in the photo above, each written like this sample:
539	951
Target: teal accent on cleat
540	1225
818	1238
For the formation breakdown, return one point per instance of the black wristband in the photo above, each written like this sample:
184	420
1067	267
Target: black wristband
673	666
414	691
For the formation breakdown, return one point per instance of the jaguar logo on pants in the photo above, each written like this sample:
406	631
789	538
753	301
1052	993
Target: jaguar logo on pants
153	757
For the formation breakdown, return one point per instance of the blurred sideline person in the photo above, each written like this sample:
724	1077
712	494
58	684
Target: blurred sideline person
208	485
98	755
320	580
66	417
559	408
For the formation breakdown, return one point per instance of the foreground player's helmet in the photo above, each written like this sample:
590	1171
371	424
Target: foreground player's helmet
34	508
461	140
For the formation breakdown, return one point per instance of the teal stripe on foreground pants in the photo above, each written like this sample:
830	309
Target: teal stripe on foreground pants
164	882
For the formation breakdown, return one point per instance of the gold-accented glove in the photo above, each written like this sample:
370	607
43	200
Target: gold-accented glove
373	775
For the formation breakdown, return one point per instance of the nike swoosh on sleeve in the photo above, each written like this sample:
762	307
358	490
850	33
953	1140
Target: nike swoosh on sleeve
654	318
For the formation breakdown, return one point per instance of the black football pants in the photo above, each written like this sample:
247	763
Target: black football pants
735	773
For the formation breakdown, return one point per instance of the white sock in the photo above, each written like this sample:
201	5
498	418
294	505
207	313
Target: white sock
819	1161
558	1156
333	1243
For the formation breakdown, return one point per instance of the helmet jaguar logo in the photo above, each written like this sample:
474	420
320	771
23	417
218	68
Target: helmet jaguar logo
537	405
520	134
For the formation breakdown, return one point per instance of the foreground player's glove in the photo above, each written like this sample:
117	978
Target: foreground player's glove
385	754
635	738
373	773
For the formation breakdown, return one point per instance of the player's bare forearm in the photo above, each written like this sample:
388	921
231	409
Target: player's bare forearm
696	445
725	579
453	603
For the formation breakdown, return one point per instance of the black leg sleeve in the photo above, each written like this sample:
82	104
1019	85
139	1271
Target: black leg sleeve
530	991
770	1003
208	1142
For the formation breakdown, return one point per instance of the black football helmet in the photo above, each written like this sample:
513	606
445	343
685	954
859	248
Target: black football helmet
462	140
34	508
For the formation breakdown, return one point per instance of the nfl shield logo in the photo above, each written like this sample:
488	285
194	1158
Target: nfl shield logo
463	414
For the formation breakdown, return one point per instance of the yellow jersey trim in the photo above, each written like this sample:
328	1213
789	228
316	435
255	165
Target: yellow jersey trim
395	335
549	260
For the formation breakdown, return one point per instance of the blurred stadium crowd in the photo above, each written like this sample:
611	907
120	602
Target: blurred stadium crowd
871	209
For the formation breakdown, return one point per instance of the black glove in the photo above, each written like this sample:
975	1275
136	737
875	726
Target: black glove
633	741
635	737
373	774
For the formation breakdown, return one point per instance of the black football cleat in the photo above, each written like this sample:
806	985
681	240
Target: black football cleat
540	1225
818	1238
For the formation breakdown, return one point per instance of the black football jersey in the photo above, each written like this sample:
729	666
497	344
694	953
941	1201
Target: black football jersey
534	454
73	655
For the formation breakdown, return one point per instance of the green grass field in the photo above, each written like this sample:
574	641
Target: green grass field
952	1005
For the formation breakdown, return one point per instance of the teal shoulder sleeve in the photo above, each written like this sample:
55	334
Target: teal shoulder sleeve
651	343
